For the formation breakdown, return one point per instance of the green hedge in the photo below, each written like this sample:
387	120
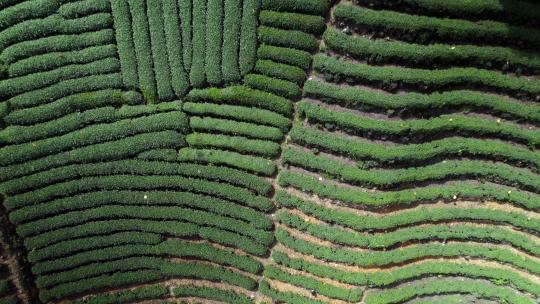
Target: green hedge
124	41
175	51
380	50
233	127
293	21
138	182
443	286
158	45
185	10
19	12
419	103
93	134
287	38
237	143
208	272
65	88
454	124
75	245
514	10
281	71
463	232
72	10
231	41
407	254
276	86
53	25
301	59
17	85
244	96
313	7
388	278
416	153
433	79
53	60
285	297
56	43
166	155
385	178
211	293
139	167
112	150
421	215
331	291
149	292
247	52
103	281
236	160
143	50
16	134
196	74
214	41
239	113
449	29
407	197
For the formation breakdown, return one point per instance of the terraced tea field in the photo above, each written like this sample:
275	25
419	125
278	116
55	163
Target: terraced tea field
269	151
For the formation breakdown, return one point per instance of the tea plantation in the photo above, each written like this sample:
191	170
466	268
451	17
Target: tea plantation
269	151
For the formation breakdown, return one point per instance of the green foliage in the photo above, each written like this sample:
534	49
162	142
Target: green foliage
418	216
433	79
72	10
443	29
380	51
235	143
452	146
231	41
455	124
415	102
407	254
185	10
313	7
293	21
211	293
287	38
173	36
301	59
214	41
236	160
276	86
442	286
139	293
285	297
248	36
281	71
239	113
241	95
233	127
349	295
197	74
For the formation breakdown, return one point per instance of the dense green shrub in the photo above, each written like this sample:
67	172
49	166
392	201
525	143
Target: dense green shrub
198	28
314	7
287	38
214	41
236	143
175	51
433	79
285	297
241	95
236	160
276	86
248	36
293	21
231	41
138	293
447	29
211	293
280	70
239	113
185	10
419	103
72	10
233	127
380	50
299	58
